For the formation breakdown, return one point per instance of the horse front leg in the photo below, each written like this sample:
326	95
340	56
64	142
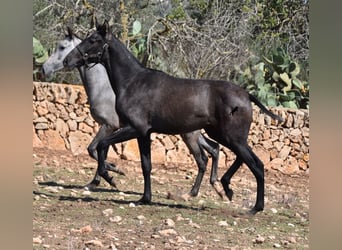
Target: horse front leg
103	132
121	135
144	143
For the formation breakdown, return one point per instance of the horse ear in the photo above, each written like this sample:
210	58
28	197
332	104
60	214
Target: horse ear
104	28
93	22
70	34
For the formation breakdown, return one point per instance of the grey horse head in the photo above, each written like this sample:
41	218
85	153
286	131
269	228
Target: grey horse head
55	61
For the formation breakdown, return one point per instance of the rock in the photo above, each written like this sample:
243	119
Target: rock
130	151
169	222
141	217
86	193
36	142
62	127
86	229
37	240
262	153
85	128
158	153
42	109
285	151
78	142
276	163
53	140
296	132
276	245
41	126
167	232
52	189
168	143
95	243
259	239
292	166
194	225
292	240
107	212
72	124
273	210
115	219
223	223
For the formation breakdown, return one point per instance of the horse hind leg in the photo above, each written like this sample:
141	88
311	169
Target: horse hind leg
213	149
245	153
192	140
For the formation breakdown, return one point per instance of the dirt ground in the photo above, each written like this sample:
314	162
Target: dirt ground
68	216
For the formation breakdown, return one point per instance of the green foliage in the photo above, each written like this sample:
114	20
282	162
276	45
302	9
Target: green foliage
138	46
40	55
178	12
274	82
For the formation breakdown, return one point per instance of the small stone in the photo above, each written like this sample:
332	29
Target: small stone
95	243
37	240
292	240
276	245
259	239
115	219
131	204
223	223
107	212
141	217
273	210
195	225
86	193
169	222
52	189
167	232
86	229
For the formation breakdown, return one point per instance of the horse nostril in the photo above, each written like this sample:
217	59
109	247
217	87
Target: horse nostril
65	62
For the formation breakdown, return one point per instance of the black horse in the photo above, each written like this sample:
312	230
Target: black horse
153	101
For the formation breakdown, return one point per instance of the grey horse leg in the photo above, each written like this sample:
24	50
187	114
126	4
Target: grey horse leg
196	142
103	132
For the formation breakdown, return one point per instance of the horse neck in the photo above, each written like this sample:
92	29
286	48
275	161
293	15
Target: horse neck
121	65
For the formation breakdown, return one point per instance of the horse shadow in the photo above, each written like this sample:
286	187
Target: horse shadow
79	198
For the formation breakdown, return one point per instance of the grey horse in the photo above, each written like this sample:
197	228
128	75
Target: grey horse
101	99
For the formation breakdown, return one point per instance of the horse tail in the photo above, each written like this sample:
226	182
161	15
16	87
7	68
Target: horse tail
264	109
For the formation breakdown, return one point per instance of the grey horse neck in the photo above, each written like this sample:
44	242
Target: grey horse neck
100	94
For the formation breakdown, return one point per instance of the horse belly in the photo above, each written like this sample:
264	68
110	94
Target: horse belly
178	123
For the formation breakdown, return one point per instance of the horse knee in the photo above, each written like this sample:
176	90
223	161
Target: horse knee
92	151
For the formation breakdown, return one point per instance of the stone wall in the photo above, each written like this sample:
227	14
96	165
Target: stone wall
62	120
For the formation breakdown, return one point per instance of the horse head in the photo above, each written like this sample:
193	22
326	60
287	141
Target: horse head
55	61
90	50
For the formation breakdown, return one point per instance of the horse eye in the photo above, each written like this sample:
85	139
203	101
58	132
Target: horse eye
61	47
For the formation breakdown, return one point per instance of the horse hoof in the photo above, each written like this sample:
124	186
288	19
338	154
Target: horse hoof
92	185
113	184
255	210
219	190
230	194
144	201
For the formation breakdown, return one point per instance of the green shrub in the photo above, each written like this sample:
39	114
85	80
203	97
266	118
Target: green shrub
274	81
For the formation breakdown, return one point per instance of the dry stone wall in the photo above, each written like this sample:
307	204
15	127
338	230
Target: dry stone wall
62	121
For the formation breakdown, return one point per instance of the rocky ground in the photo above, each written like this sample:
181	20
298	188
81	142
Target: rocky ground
67	216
